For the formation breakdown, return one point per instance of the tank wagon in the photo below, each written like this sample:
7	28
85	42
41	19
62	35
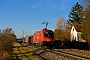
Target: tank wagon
43	37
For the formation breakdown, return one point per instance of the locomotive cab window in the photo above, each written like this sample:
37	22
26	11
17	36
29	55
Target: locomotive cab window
48	34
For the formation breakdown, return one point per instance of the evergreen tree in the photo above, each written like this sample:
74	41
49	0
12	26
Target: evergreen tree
76	14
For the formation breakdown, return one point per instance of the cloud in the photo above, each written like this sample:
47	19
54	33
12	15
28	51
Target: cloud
38	4
64	4
34	6
43	3
49	4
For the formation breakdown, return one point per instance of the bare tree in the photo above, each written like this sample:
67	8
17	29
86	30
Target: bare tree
85	3
61	31
61	23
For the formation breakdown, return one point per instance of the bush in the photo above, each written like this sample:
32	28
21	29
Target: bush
6	44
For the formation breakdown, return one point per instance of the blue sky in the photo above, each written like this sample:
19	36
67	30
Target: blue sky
27	15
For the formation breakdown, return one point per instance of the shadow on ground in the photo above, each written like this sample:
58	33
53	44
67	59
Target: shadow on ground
68	44
21	53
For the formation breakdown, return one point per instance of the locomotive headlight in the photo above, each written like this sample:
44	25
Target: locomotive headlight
43	39
53	39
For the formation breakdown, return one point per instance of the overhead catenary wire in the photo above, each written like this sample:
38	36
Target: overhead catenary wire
59	13
63	11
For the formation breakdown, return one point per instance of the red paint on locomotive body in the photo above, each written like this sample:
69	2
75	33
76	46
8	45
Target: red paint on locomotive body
43	36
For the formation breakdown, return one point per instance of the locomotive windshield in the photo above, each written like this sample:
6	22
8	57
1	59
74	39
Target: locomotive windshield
48	34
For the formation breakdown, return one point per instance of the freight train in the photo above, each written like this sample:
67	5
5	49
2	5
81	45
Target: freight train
43	37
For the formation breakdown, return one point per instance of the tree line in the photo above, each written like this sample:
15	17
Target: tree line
79	14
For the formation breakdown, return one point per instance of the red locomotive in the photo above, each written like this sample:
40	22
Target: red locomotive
43	37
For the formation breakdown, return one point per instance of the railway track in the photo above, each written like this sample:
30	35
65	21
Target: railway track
39	53
62	54
76	52
72	55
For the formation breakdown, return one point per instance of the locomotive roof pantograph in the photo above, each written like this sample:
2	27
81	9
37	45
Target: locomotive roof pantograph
46	23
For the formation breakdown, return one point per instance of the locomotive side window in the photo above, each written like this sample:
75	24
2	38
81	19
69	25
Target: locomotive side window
48	34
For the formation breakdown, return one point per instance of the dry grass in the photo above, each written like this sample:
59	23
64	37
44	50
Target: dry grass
22	52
